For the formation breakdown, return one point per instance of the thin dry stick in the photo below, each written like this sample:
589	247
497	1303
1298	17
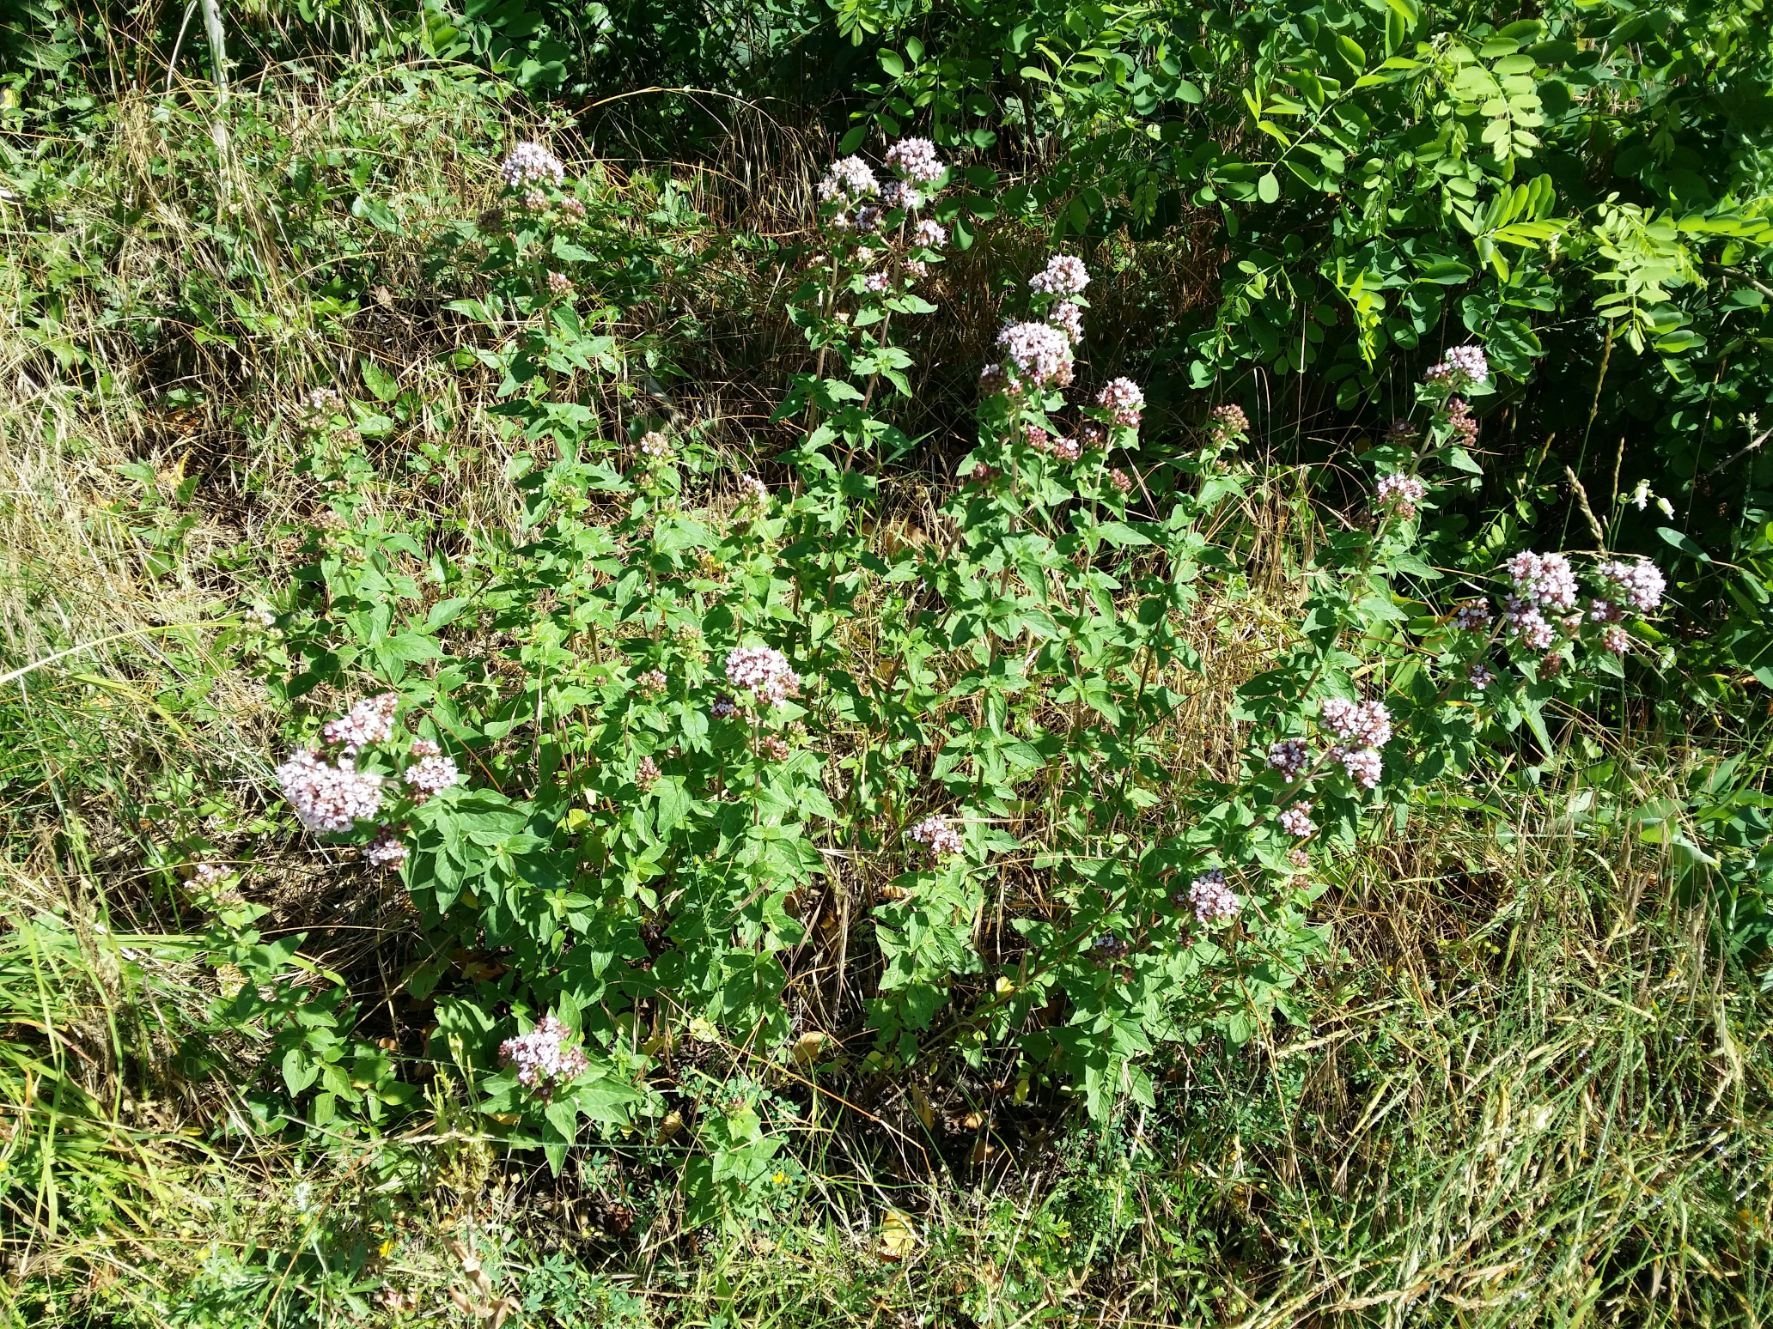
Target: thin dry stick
218	54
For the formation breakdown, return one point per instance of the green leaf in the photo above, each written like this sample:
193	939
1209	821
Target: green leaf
1683	542
299	1072
379	381
1268	187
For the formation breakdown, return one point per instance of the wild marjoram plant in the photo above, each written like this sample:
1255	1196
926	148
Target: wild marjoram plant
705	729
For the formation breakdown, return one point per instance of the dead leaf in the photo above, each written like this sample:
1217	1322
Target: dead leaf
898	1236
808	1047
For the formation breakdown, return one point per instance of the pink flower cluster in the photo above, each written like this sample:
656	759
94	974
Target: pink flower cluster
1639	581
916	160
1362	728
930	234
847	180
1473	616
1064	276
432	773
1364	765
1123	400
1544	580
899	194
1401	493
1364	723
329	798
1290	756
369	721
1067	316
1040	352
1227	422
754	494
542	1059
1527	623
1462	365
1541	581
1065	449
1212	900
937	837
1461	420
530	164
1296	821
762	672
387	851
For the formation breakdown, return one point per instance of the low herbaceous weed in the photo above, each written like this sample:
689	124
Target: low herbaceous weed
691	750
586	748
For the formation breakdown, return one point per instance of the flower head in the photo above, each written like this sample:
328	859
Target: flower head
1480	677
929	233
530	164
916	160
937	837
1290	756
763	672
1040	352
329	798
1401	493
1067	316
542	1059
1473	616
1640	582
1364	765
1212	900
898	194
1545	580
1123	400
753	493
1228	422
209	874
655	445
1526	622
1296	821
847	180
431	775
1064	276
369	721
1364	724
1461	421
1462	366
387	851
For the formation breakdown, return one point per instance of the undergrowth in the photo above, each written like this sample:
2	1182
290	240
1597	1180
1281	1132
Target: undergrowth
826	839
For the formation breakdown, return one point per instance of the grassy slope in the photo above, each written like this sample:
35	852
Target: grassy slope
1526	1091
